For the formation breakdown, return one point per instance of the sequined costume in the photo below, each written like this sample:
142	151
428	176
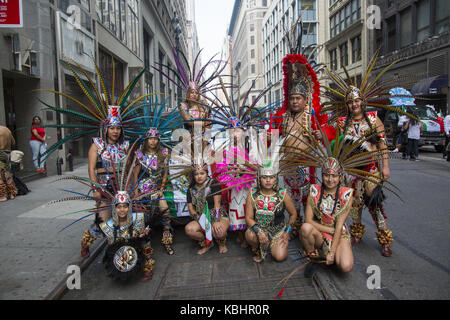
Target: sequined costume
269	216
324	215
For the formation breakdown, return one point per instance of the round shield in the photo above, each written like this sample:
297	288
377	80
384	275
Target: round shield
124	258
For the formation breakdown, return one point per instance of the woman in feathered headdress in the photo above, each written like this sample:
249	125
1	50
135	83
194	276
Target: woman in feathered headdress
240	121
195	85
351	100
265	206
112	117
209	219
129	251
152	163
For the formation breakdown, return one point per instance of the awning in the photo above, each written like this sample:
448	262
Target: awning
431	85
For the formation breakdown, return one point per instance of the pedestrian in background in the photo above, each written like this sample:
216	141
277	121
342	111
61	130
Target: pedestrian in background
447	136
402	138
414	128
38	144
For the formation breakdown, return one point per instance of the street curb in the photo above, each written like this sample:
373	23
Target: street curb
58	292
324	285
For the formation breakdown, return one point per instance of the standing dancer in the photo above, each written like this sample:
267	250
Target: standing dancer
351	101
151	170
113	119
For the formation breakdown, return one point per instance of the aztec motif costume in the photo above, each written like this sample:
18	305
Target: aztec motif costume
152	171
323	211
232	117
7	187
102	112
129	250
370	129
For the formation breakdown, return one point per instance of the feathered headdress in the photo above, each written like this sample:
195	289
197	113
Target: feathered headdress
102	111
124	191
229	114
192	77
372	92
157	121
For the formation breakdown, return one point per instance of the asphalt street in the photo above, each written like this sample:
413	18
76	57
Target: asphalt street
36	255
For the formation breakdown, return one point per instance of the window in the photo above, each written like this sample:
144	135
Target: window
252	54
423	20
252	40
348	15
252	27
106	67
264	3
356	49
391	29
405	27
343	48
442	16
333	59
252	69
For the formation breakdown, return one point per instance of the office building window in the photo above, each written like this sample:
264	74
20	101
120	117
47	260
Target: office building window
333	59
343	49
252	53
133	26
391	30
252	40
356	49
252	69
423	20
405	27
442	14
252	27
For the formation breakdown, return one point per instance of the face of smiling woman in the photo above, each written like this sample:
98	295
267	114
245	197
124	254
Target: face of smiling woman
331	181
122	210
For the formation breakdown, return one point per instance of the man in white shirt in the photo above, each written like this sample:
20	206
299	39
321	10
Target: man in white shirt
414	130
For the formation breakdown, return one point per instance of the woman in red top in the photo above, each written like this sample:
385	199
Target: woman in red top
37	144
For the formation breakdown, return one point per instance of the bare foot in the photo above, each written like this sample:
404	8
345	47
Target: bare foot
205	249
223	249
244	244
3	199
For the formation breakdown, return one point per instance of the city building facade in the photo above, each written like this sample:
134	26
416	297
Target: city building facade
418	32
245	32
126	34
279	18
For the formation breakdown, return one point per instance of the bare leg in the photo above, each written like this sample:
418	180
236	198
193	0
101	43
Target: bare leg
195	232
221	237
344	256
310	237
252	239
279	250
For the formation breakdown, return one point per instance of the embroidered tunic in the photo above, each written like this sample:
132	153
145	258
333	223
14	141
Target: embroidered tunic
111	158
138	226
152	167
324	216
199	198
269	215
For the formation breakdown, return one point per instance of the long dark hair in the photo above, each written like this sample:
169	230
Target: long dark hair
40	120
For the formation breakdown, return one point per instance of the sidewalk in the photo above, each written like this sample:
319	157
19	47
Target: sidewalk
34	255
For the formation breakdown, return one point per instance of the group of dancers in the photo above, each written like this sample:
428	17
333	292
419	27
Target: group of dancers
153	163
